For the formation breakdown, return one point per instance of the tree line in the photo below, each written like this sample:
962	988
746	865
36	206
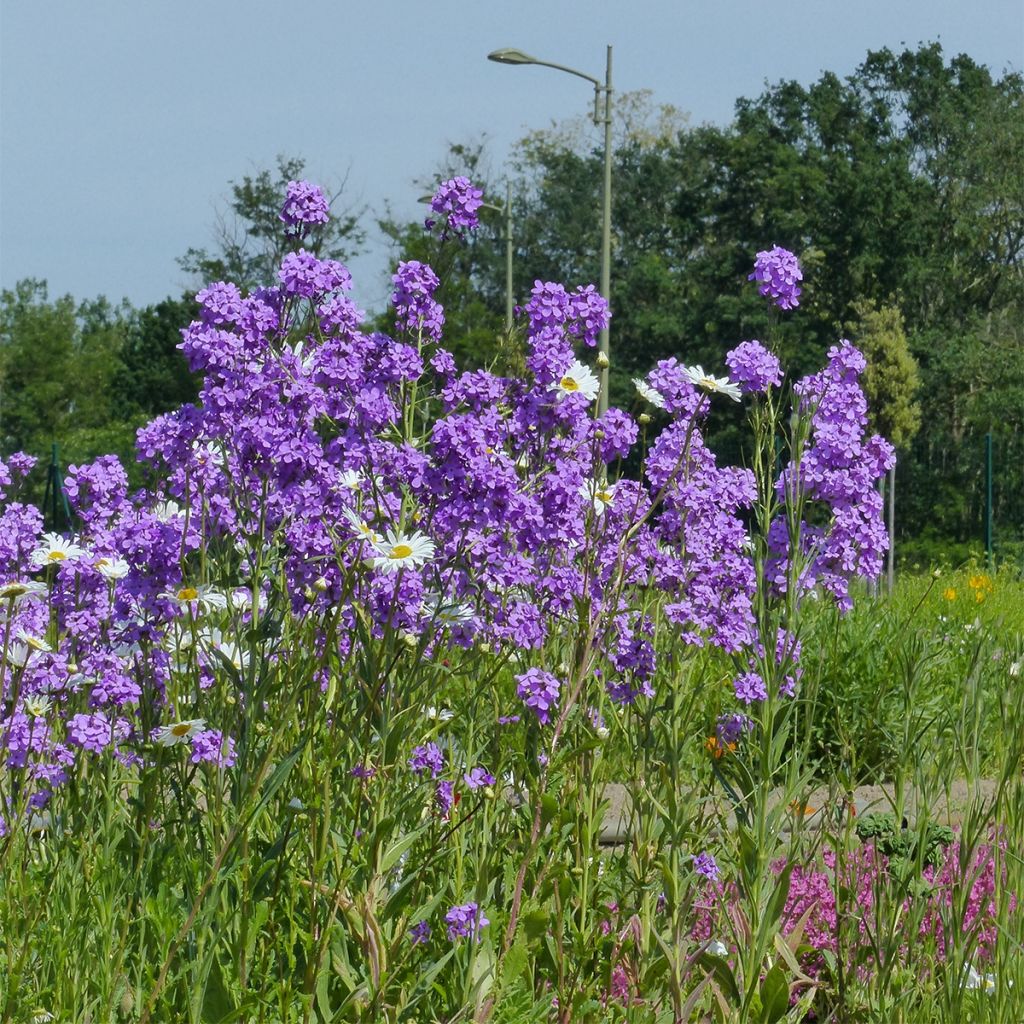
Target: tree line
900	187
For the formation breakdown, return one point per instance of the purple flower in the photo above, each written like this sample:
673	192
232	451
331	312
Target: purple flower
753	367
732	728
706	865
362	771
444	797
538	690
464	921
581	314
457	201
305	203
750	687
427	758
419	933
477	778
212	747
303	274
778	271
413	299
95	732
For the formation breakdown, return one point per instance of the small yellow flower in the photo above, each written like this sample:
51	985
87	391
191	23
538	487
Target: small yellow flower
716	749
949	594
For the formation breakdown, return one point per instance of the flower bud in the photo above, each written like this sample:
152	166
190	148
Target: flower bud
602	360
643	419
320	583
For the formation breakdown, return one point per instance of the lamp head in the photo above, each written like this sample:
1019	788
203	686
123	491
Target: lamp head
511	56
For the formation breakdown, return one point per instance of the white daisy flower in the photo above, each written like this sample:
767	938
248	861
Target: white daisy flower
19	654
179	732
350	479
648	394
37	643
234	654
439	714
601	494
723	385
363	530
402	550
975	980
17	591
577	380
56	549
448	614
305	358
36	705
206	597
112	568
167	510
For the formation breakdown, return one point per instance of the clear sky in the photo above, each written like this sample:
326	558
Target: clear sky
122	121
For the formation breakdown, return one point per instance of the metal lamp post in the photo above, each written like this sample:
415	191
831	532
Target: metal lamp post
602	116
506	211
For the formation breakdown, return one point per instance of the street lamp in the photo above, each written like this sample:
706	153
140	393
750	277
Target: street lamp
506	211
602	116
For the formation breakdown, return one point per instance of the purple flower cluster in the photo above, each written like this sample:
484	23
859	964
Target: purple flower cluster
838	472
500	512
465	921
477	778
706	865
212	747
456	202
581	314
778	271
413	299
305	204
753	367
730	729
749	687
428	758
539	690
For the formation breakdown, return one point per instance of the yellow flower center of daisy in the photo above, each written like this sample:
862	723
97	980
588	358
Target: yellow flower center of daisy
569	384
15	590
188	594
56	556
605	496
181	729
708	382
400	551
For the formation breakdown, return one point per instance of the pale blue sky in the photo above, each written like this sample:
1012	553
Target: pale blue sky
122	121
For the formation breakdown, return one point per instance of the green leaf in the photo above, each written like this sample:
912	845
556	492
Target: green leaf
536	924
393	855
774	995
722	973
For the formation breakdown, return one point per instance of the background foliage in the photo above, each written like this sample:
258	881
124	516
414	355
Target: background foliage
901	188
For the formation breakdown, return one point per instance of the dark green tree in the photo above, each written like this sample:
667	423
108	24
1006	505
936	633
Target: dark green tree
154	376
58	364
